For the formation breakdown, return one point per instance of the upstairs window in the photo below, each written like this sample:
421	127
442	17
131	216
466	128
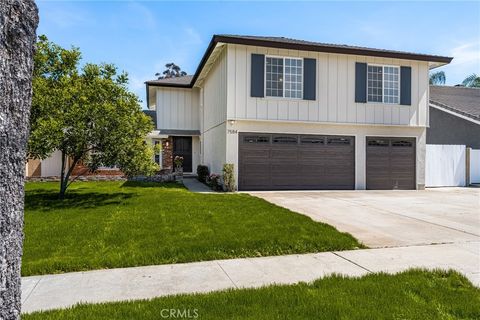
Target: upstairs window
274	72
293	78
284	77
383	84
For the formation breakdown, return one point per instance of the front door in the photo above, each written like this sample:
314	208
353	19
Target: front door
182	146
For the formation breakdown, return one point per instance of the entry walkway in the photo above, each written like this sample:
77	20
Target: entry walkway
194	185
64	290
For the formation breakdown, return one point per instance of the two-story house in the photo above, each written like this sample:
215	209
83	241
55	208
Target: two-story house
292	114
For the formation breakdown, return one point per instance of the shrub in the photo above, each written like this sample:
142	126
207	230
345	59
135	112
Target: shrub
228	177
214	181
178	161
202	173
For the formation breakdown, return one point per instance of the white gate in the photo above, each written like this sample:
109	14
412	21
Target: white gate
445	166
474	166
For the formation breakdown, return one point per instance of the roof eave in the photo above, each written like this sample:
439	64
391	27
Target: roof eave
331	49
304	47
454	112
173	85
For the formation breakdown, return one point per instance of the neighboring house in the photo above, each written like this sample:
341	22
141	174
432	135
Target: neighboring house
454	116
292	114
52	165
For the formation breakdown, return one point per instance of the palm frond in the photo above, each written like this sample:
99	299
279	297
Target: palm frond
472	81
438	78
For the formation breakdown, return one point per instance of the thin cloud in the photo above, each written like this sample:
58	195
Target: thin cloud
142	15
192	36
466	60
466	53
65	17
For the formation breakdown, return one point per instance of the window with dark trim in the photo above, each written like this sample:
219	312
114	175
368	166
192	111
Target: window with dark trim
256	139
158	155
378	143
285	140
401	143
312	140
338	141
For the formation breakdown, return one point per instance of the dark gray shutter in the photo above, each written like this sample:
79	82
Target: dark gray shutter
360	82
406	86
309	78
257	76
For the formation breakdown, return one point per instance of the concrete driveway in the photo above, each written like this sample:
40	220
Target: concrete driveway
391	218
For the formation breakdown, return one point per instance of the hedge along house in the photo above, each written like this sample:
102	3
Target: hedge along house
292	114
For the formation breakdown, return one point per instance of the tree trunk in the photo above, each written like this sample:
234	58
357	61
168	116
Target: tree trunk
65	177
18	23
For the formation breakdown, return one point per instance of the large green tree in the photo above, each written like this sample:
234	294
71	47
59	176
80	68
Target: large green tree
87	114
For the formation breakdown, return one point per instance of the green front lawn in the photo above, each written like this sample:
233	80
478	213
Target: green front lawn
413	294
112	224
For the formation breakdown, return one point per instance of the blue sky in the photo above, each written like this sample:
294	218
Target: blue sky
140	37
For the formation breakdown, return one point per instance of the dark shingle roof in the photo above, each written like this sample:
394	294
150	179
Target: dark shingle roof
339	48
294	44
185	80
153	115
461	100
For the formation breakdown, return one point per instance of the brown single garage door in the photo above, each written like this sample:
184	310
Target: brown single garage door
296	162
390	163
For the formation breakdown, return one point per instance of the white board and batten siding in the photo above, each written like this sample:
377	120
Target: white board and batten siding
214	115
215	94
178	108
335	92
445	166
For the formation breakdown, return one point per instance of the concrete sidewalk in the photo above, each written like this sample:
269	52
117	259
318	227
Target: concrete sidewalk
64	290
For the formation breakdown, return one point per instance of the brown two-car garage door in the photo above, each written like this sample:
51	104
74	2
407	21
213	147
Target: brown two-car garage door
390	163
302	162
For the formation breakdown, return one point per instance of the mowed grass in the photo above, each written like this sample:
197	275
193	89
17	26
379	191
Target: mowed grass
413	294
116	224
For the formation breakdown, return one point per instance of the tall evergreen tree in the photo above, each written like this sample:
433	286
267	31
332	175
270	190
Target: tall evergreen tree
171	71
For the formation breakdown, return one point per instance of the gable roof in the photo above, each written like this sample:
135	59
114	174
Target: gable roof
303	45
184	80
460	100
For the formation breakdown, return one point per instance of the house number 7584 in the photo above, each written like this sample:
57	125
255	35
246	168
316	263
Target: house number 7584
232	131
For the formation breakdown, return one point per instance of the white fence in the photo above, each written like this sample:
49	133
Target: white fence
474	166
445	166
